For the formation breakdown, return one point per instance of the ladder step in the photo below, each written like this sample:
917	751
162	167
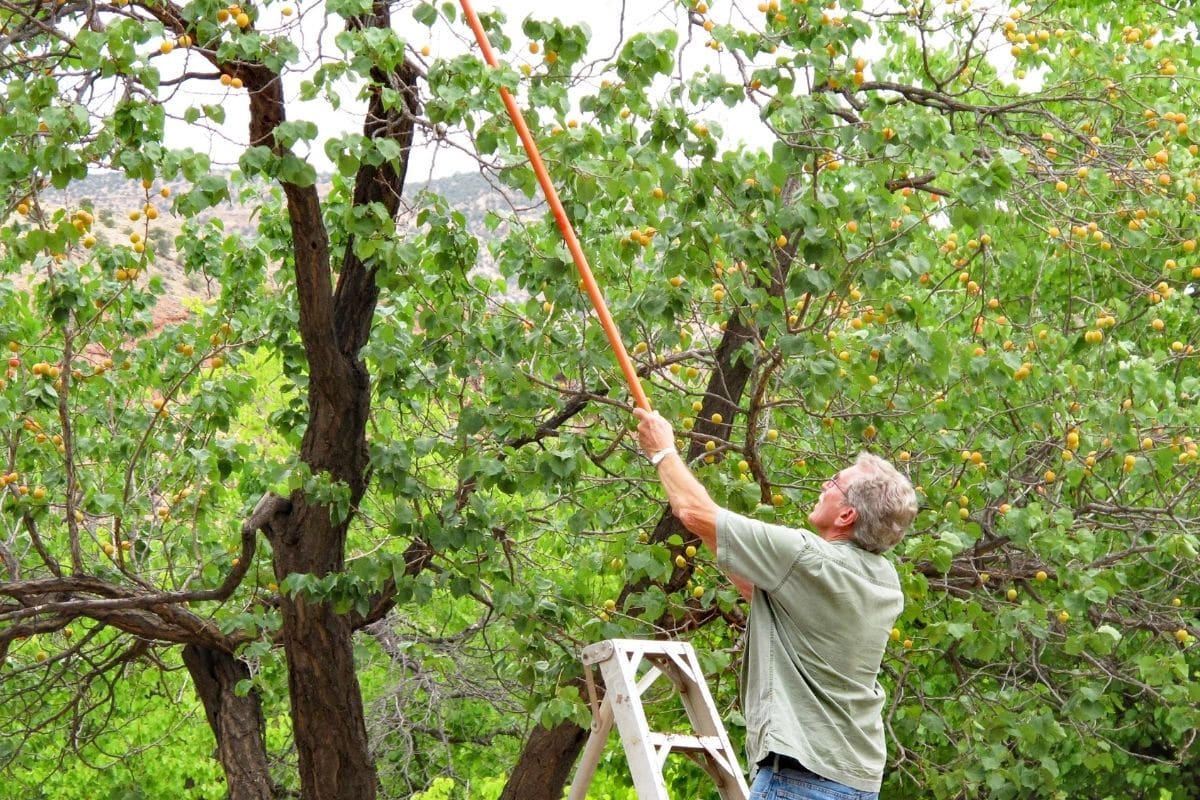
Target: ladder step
686	742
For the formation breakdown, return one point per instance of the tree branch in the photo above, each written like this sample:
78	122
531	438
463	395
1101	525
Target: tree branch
124	607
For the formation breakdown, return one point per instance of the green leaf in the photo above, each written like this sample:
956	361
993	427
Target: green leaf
296	171
425	14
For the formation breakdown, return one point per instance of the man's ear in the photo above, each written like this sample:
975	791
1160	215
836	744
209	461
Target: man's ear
848	517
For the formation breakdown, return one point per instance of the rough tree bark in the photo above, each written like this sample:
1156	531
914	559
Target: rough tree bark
327	710
546	762
236	721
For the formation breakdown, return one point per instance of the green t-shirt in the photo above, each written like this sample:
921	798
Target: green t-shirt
819	623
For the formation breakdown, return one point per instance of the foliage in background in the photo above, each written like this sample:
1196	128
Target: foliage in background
964	247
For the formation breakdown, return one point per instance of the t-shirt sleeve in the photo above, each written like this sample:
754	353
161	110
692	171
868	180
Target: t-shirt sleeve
761	553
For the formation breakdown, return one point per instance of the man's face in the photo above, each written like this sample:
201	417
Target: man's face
832	501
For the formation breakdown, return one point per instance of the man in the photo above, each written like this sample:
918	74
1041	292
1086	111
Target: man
821	609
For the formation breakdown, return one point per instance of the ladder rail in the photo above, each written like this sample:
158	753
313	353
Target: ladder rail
602	723
645	750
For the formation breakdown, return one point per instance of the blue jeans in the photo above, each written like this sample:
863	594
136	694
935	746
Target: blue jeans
790	784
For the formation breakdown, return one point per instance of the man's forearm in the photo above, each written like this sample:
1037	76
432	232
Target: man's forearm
689	499
691	503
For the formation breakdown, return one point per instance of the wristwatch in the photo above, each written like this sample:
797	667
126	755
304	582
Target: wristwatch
660	455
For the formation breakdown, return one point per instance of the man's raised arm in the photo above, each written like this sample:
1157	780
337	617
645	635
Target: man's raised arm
688	498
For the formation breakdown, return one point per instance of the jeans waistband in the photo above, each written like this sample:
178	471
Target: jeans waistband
777	762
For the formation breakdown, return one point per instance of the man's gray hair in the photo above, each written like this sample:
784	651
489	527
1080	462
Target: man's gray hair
885	502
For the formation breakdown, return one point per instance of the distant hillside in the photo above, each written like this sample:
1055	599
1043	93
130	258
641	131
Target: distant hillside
461	190
111	198
471	194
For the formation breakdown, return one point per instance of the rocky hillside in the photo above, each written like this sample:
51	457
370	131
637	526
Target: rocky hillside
113	199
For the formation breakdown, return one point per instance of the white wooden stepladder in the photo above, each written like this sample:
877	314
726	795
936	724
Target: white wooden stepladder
646	750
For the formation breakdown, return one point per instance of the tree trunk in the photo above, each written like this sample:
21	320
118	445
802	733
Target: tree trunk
545	763
327	709
236	721
334	757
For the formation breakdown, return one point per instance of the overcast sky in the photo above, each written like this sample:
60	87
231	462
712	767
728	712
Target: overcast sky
608	21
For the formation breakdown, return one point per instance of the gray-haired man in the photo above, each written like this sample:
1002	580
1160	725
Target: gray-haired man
821	609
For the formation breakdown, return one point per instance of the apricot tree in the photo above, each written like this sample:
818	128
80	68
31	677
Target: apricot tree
955	235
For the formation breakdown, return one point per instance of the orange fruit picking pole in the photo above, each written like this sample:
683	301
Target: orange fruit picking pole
560	214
